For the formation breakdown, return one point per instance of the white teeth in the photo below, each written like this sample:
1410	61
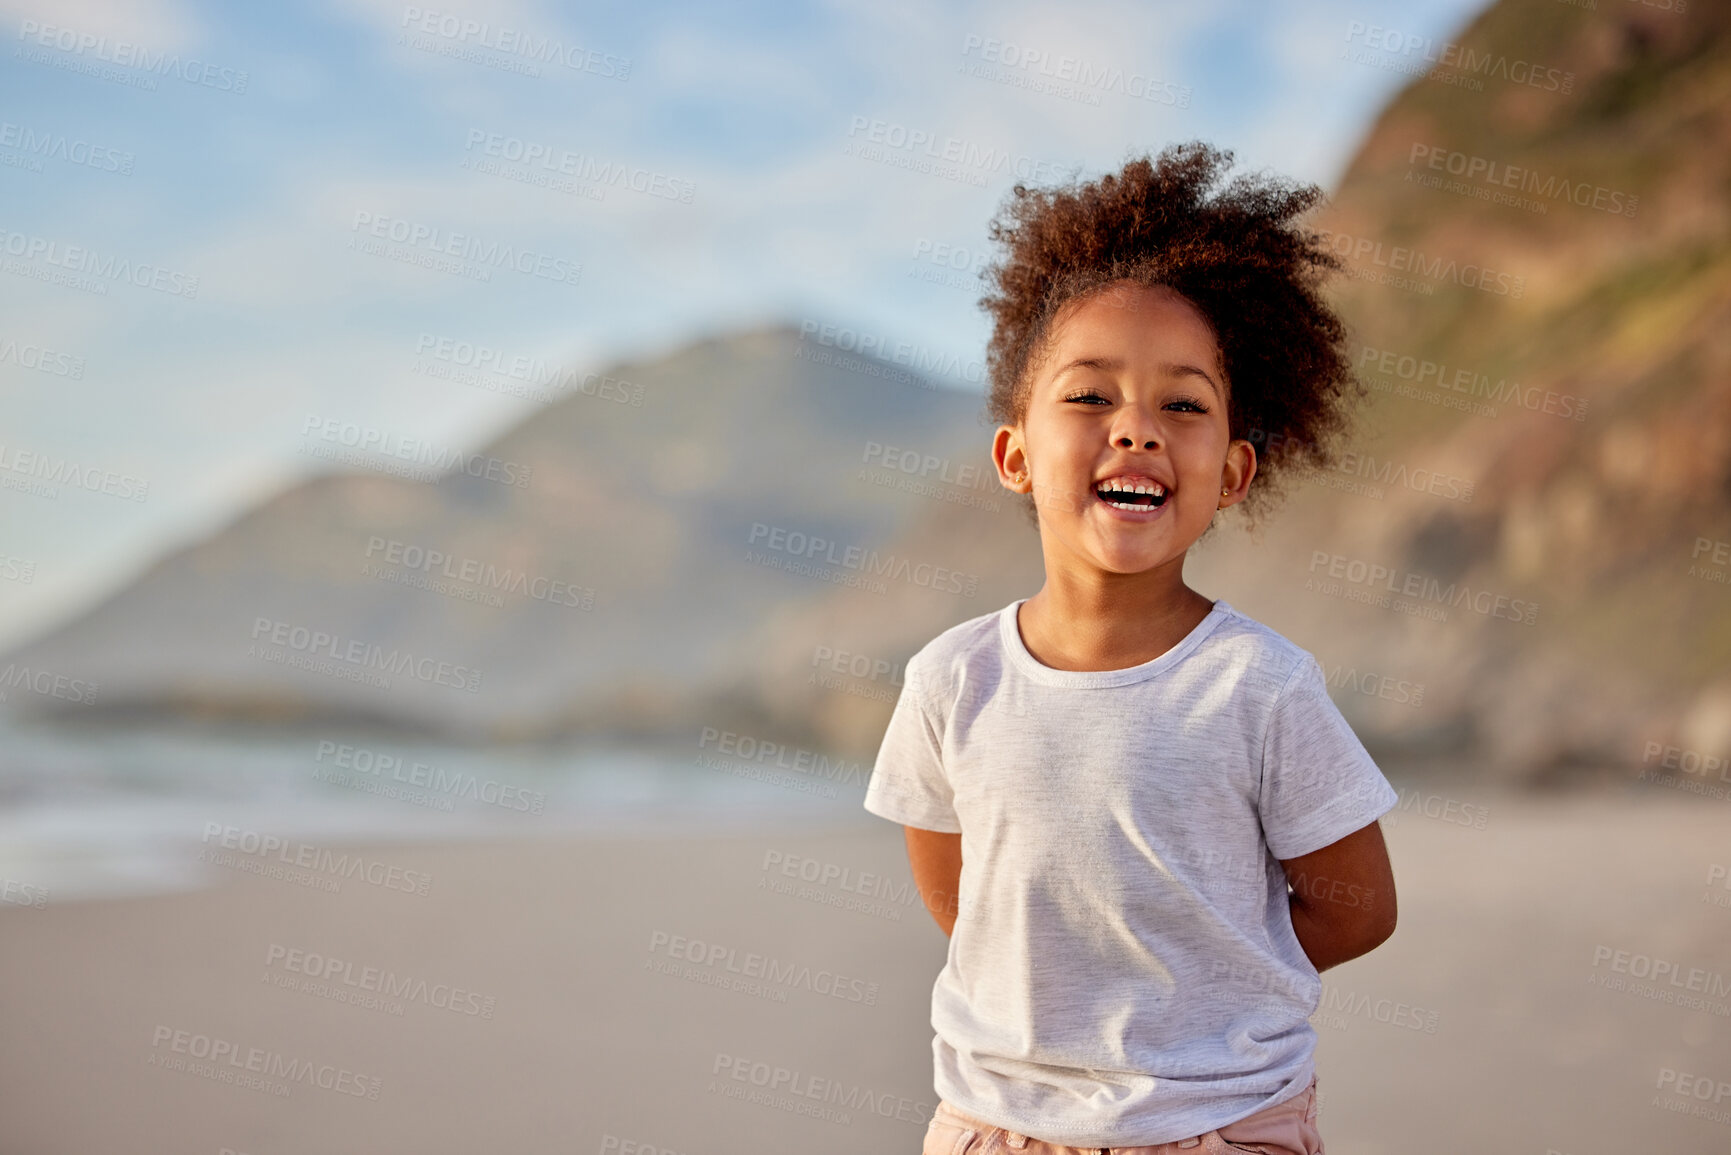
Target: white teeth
1125	485
1131	487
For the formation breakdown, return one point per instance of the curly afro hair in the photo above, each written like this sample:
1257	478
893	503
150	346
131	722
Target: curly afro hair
1235	255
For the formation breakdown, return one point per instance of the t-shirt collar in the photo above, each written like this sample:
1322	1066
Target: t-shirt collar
1031	667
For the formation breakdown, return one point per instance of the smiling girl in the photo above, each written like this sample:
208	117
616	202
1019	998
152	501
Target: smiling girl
1135	810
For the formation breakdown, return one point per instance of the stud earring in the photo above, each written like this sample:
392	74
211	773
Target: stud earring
1225	493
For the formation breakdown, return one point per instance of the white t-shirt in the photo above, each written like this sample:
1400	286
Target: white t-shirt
1123	970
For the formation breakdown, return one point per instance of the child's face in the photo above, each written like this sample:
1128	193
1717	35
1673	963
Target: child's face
1130	386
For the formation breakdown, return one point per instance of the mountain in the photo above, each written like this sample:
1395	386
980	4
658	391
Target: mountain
1562	256
617	571
1513	571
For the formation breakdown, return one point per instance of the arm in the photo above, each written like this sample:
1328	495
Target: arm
1342	898
936	859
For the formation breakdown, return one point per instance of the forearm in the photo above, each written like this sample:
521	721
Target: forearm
1327	937
935	858
943	907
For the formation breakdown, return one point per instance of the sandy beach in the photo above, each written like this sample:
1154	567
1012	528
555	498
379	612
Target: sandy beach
544	994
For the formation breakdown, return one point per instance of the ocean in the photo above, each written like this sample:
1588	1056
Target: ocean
119	810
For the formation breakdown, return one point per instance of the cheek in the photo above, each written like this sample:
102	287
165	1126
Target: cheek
1201	456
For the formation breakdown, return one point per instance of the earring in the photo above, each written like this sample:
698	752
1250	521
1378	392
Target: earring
1226	493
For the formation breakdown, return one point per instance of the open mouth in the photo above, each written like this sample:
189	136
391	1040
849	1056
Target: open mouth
1131	495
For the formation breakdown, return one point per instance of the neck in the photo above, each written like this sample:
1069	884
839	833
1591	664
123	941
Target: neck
1123	620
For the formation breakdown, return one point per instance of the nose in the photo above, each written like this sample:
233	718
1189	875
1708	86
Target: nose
1135	426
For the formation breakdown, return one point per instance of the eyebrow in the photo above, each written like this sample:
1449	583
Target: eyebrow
1167	368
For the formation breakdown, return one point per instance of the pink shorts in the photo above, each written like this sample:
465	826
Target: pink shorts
1287	1128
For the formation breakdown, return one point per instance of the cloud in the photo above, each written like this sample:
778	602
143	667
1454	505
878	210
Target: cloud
160	25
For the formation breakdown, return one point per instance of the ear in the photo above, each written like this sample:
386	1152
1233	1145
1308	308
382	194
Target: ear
1235	475
1011	459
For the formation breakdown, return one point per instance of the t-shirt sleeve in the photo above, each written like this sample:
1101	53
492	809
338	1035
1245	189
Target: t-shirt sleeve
1319	784
908	784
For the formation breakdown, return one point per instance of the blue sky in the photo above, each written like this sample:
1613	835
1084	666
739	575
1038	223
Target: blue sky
362	120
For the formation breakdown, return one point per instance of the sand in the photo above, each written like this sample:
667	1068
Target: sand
533	1013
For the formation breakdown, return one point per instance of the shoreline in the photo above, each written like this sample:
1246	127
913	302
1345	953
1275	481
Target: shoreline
599	1025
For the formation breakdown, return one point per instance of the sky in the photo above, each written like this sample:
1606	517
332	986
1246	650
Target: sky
225	225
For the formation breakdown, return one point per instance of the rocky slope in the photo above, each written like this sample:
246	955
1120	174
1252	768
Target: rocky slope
1599	223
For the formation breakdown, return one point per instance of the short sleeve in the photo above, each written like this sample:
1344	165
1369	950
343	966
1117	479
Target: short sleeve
1319	784
908	784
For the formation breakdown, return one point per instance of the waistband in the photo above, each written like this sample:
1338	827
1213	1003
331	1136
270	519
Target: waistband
1271	1123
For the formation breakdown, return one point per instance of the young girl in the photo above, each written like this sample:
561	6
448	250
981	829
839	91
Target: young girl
1109	787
